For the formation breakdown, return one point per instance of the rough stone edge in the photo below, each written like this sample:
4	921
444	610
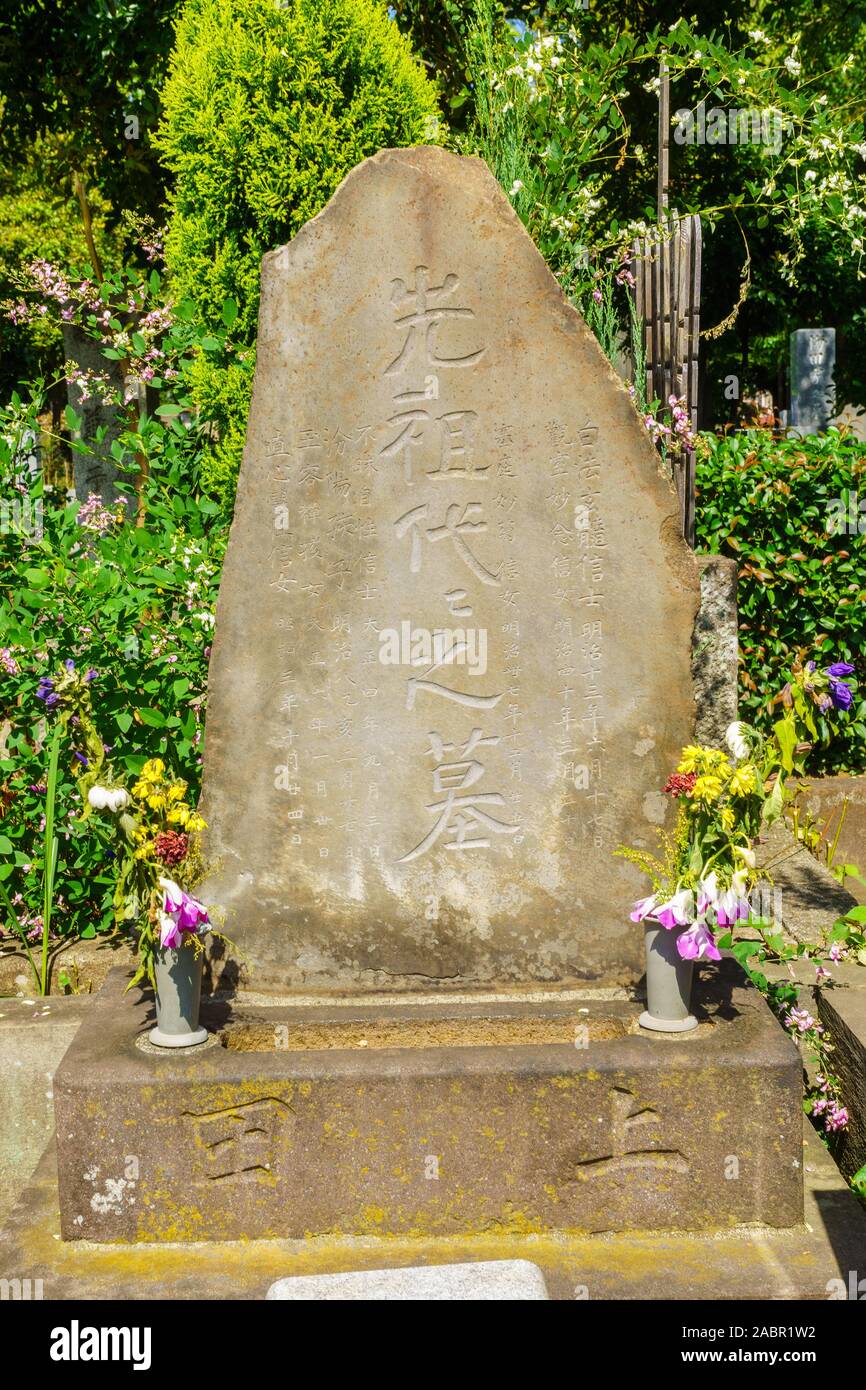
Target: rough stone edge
715	649
741	1263
570	317
810	898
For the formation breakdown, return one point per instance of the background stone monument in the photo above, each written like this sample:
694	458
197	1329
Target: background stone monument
451	669
813	391
96	472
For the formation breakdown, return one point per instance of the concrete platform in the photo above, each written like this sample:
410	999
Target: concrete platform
813	1260
429	1120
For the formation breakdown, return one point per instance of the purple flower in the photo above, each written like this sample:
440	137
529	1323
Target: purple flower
91	674
840	668
678	911
836	1118
69	664
643	907
697	943
81	758
840	694
180	913
800	1019
45	691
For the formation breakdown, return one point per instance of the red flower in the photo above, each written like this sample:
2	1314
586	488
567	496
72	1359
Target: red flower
680	783
172	847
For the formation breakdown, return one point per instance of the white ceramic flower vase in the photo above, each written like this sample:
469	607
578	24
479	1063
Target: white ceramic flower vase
668	982
178	996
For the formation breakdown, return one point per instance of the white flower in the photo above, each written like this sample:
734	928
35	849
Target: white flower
515	188
736	740
108	798
791	63
748	856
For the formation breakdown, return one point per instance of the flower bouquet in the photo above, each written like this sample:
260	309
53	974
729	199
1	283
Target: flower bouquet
702	882
156	848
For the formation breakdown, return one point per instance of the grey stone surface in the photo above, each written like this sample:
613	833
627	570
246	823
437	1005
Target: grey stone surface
34	1035
842	1011
96	471
437	446
440	1119
837	806
486	1281
86	963
812	1260
715	649
800	891
813	392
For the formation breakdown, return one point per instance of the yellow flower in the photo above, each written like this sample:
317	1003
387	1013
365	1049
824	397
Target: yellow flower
697	759
179	814
196	823
691	757
176	791
727	818
745	780
156	801
707	788
153	770
717	761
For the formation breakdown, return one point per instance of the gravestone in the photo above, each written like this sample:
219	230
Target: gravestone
813	392
451	669
95	472
451	672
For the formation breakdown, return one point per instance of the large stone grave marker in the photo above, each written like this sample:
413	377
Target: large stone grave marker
451	668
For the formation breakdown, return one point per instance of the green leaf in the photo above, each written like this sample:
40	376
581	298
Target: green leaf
151	717
230	312
786	735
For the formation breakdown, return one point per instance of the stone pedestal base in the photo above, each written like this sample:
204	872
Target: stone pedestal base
510	1114
822	1257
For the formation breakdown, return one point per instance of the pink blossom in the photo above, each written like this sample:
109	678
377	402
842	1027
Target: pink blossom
697	943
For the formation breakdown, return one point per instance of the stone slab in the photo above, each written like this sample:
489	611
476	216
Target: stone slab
481	1281
715	649
813	1260
813	390
34	1034
432	1120
802	893
454	627
825	798
842	1011
96	472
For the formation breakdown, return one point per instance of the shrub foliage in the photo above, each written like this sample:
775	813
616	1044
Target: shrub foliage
789	511
267	108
